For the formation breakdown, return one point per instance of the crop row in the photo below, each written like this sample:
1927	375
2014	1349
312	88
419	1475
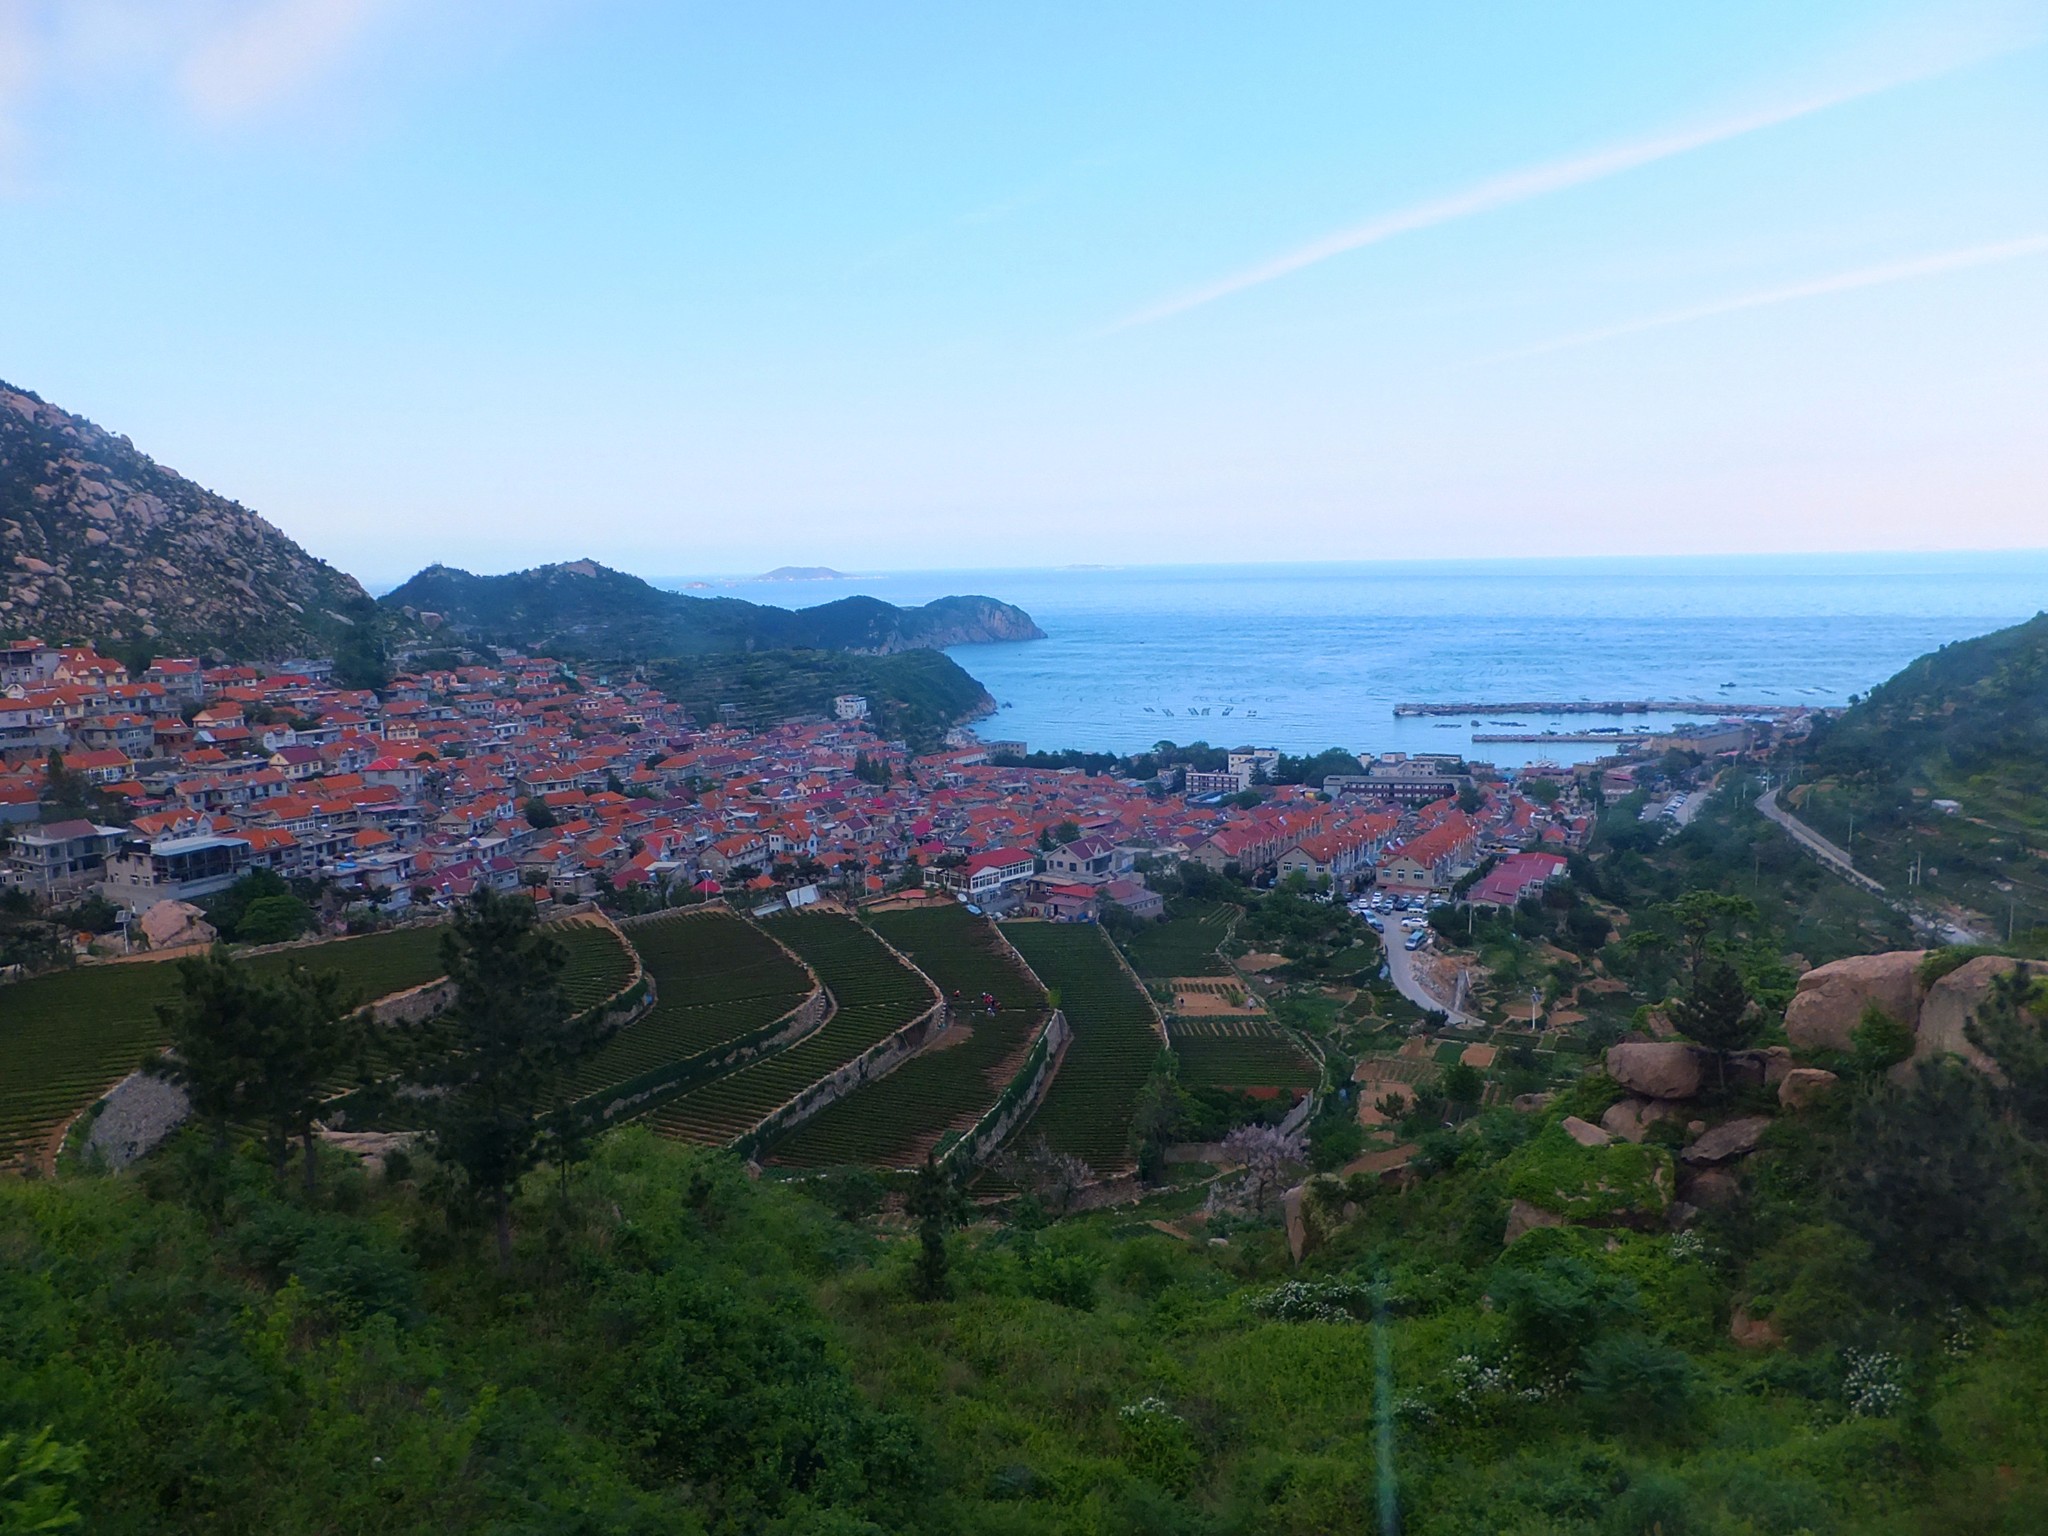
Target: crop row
1185	944
1087	1111
716	978
1241	1061
598	963
876	996
894	1120
67	1037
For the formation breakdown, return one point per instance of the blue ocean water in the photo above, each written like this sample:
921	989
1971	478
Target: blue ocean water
1303	657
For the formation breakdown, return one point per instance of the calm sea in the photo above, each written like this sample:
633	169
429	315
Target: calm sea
1303	657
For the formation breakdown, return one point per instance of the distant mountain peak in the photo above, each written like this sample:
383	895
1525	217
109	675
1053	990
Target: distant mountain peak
612	614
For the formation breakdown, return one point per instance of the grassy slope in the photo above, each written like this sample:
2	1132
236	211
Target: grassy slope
678	1349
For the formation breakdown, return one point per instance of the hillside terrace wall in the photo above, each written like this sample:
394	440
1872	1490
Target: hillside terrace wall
876	1062
1020	1097
636	1094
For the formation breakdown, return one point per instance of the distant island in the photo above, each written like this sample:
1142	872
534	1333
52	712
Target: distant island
804	573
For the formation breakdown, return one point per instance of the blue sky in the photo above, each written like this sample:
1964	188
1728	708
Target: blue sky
702	289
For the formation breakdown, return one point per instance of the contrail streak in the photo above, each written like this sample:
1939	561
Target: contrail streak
1841	282
1519	187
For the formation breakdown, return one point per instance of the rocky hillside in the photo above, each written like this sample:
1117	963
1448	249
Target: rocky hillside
585	609
98	541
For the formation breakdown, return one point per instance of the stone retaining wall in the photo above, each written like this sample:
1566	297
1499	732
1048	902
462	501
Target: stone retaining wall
877	1061
1020	1096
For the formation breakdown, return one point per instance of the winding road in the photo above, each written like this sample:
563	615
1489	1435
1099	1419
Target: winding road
1838	861
1401	971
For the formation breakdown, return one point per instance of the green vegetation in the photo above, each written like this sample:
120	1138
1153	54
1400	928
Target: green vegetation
876	996
1186	942
1556	1174
717	980
916	695
597	963
896	1120
1087	1111
659	1343
70	1035
1967	723
1240	1053
584	609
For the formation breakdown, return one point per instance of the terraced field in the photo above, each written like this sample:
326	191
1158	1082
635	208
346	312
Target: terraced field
893	1122
1184	944
598	963
716	978
66	1038
876	994
1087	1112
1240	1053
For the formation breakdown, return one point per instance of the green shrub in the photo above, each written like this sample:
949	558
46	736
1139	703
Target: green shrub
1879	1043
1635	1384
1555	1173
1554	1307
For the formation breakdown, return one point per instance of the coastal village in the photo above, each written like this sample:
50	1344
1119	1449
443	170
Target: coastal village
577	785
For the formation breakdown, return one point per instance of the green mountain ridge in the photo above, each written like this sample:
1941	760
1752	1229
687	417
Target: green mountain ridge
582	608
1968	725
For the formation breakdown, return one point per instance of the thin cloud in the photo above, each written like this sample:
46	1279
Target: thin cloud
271	52
1840	282
1524	186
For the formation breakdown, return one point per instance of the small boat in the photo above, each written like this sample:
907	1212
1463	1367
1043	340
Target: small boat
1228	708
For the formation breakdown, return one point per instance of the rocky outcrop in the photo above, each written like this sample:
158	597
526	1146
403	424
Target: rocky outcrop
1631	1118
1584	1132
98	541
1713	1189
1724	1143
1948	1006
136	1116
175	925
1831	998
1656	1069
1524	1218
1804	1086
1753	1332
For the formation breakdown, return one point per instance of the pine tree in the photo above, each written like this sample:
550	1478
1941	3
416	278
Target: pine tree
514	1039
1715	1012
261	1048
938	1203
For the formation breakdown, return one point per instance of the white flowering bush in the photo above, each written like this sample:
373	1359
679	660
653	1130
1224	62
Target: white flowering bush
1688	1245
1871	1384
1958	1338
1473	1385
1315	1301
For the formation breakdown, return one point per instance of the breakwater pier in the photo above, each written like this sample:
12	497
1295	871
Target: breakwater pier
1715	707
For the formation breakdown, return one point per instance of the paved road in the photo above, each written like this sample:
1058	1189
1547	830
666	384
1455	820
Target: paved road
1833	856
1401	971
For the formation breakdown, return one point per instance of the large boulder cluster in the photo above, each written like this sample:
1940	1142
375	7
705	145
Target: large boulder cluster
1832	1000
